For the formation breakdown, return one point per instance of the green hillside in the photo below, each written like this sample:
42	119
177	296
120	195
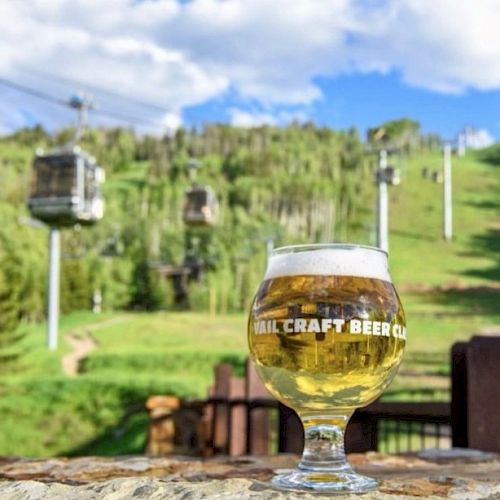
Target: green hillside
295	184
449	289
101	410
418	253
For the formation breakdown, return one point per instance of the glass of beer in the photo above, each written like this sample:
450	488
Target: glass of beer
326	333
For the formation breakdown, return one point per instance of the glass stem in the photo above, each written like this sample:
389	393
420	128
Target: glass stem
324	443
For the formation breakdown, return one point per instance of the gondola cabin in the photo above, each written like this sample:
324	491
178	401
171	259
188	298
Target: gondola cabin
393	176
66	188
201	206
389	175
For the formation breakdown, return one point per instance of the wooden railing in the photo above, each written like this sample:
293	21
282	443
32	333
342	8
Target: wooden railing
240	417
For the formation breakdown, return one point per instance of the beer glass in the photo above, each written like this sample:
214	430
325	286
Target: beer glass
326	333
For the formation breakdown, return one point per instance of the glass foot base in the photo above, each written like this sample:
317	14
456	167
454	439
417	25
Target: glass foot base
325	482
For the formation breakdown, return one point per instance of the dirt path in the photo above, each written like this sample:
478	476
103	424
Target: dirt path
82	344
104	323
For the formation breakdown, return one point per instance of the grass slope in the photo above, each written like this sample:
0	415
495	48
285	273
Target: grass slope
449	289
419	255
45	412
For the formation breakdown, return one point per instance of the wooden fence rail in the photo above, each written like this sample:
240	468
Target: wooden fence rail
240	417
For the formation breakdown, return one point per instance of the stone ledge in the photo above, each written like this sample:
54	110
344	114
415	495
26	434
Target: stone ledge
460	474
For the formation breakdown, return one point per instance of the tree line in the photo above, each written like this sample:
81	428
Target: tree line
296	184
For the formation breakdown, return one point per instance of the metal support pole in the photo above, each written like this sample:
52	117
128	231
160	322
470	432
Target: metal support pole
383	205
447	202
53	298
80	124
82	104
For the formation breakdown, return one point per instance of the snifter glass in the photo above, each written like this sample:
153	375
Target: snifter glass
326	333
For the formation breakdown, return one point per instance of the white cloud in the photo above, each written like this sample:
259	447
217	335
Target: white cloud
268	52
107	44
441	45
273	116
242	118
477	138
170	122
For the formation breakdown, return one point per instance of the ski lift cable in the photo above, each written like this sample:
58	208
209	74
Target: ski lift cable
97	89
33	92
61	102
125	117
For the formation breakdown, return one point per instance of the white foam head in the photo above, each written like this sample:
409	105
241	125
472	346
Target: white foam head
325	260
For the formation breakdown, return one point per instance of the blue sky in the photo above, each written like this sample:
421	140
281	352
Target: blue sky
363	101
167	63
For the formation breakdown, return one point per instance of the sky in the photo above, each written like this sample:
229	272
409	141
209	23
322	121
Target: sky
160	64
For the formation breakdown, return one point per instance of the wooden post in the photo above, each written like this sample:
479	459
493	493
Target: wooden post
459	437
361	434
258	419
223	372
161	437
483	393
291	432
238	419
207	426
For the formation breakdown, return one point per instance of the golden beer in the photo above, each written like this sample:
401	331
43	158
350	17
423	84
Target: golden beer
322	341
326	334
